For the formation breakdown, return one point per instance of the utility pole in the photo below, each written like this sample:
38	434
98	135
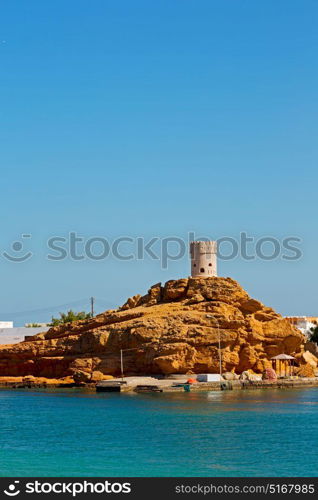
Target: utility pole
92	306
210	316
122	360
121	364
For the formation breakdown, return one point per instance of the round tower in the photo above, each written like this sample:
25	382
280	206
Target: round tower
203	259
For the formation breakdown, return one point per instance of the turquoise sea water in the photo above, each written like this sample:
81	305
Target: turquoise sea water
239	433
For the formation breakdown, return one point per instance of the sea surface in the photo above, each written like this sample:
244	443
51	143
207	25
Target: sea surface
232	433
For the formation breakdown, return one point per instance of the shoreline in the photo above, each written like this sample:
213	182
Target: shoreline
135	384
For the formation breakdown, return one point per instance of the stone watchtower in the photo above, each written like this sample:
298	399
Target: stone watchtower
203	259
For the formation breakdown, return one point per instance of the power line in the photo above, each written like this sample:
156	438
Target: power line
61	306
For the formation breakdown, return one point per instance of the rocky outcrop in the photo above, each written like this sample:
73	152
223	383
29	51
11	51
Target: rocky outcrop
174	328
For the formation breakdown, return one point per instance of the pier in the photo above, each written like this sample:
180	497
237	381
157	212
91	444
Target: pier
146	384
150	384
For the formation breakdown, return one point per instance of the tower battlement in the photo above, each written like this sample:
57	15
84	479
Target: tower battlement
203	259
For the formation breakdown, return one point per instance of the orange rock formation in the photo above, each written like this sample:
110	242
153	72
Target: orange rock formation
172	329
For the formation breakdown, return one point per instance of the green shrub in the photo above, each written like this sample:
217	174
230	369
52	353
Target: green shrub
69	317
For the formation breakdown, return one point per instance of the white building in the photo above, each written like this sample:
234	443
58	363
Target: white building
18	334
6	324
303	323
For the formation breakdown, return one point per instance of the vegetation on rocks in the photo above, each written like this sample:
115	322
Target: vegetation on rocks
69	317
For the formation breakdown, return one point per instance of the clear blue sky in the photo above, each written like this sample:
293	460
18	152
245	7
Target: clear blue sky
154	119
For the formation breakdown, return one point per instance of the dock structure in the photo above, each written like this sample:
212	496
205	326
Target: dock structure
133	384
149	384
111	386
158	385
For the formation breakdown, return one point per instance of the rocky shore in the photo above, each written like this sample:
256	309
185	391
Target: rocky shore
174	328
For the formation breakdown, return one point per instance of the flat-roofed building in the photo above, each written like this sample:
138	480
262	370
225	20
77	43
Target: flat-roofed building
6	324
18	334
303	323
